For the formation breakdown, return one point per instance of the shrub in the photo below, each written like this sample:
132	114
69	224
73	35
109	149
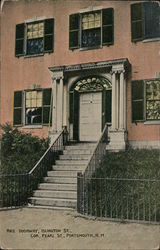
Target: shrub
20	151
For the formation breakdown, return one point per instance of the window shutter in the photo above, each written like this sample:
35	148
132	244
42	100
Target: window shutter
137	101
47	108
17	113
19	43
74	24
108	26
137	22
48	35
151	17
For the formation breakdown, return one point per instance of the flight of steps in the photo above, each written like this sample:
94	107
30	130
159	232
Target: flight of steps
59	187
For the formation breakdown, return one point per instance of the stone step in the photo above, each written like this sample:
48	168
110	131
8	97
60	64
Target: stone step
78	157
53	202
72	180
56	186
77	168
80	146
77	151
50	207
62	173
71	162
55	194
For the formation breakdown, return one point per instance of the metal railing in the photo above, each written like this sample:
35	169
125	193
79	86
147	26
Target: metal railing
121	199
16	188
93	163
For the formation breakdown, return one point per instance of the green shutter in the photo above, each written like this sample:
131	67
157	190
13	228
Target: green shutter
137	22
76	116
19	43
137	101
106	107
18	103
47	108
108	26
74	31
48	35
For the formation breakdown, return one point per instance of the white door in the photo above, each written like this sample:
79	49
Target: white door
90	116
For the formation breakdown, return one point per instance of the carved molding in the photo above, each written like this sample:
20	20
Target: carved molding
122	63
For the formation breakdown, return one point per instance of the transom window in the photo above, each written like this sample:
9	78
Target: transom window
146	100
34	38
91	29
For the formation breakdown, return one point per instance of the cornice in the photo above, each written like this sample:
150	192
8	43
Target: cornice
91	65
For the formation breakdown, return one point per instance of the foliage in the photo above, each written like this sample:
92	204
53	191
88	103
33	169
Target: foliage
20	151
139	163
126	186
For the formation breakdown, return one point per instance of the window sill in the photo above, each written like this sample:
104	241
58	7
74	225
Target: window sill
152	123
36	55
32	127
151	40
90	48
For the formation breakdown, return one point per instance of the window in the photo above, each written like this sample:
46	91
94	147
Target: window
32	107
146	100
91	29
34	38
145	21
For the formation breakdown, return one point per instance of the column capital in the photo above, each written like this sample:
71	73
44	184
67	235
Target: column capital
118	69
56	76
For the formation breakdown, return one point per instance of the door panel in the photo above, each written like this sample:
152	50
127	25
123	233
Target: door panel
90	116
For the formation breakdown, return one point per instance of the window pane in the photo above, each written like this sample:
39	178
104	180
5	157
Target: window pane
153	100
46	114
46	96
91	37
151	16
153	110
35	46
34	116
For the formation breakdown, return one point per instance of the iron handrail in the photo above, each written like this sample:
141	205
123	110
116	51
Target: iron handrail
97	157
46	152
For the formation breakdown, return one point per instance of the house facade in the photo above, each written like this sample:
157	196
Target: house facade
82	64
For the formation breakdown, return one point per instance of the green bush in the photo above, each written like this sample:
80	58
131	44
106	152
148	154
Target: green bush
20	151
126	186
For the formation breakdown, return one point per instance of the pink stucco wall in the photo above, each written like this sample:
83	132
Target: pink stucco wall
21	73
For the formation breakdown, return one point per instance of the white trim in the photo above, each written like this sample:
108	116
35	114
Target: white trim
32	127
151	40
91	8
152	123
34	19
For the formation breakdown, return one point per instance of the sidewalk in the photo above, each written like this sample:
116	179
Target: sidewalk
30	228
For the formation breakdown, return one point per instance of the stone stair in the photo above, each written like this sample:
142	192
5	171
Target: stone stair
59	187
